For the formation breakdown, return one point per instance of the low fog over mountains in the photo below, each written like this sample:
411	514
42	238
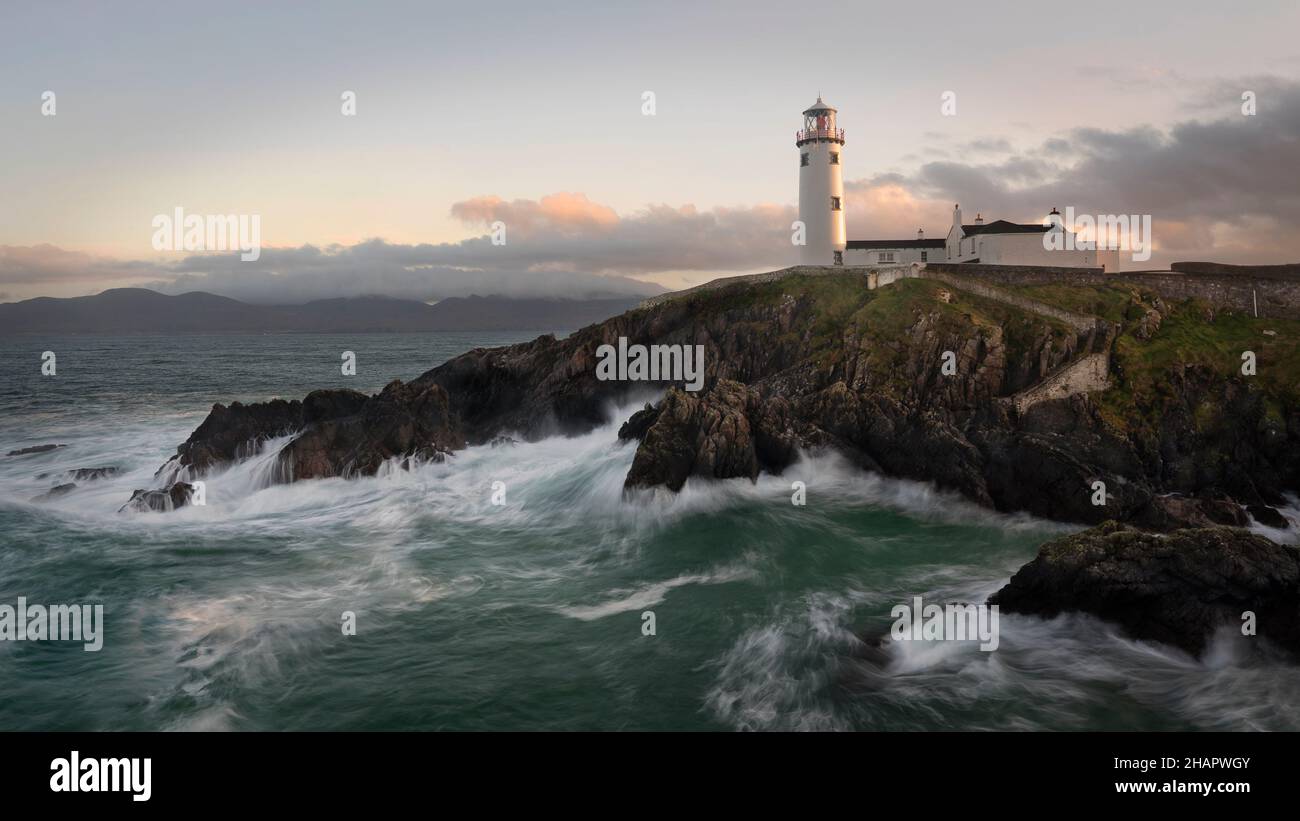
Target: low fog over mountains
137	310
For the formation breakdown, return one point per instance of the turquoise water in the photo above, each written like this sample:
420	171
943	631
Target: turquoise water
526	615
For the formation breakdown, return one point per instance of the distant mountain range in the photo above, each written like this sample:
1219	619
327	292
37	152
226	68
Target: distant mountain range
138	310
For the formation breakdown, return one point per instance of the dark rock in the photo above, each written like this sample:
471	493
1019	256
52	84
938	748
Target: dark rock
638	423
55	492
34	449
1223	511
83	474
322	406
231	433
1268	516
1175	512
91	474
340	432
541	388
1177	588
728	431
694	435
404	420
159	501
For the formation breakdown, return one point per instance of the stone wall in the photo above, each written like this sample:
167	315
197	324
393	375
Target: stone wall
1267	297
1269	291
1291	271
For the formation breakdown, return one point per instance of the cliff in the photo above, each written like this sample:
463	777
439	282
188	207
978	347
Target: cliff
1179	436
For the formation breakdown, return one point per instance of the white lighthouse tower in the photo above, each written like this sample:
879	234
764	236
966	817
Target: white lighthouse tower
821	186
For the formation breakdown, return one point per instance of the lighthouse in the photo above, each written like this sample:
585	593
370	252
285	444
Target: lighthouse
821	186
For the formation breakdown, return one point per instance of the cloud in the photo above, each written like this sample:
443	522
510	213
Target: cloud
568	230
885	207
292	275
560	245
1223	188
425	272
49	264
564	214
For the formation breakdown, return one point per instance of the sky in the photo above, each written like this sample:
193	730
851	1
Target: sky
534	115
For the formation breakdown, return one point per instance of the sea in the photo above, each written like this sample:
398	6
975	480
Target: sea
517	587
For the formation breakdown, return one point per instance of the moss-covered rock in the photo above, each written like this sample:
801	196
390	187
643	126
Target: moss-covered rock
1177	588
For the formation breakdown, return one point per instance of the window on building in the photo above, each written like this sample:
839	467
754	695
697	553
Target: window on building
839	257
803	159
923	256
885	256
835	203
835	158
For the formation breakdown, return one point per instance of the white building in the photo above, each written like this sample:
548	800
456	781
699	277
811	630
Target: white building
821	186
894	251
821	210
1019	243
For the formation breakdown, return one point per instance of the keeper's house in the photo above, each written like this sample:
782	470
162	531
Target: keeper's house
991	243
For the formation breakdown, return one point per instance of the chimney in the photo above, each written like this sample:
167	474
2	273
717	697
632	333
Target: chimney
979	219
920	233
1054	220
956	216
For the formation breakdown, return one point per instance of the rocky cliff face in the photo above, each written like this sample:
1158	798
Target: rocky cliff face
821	362
338	433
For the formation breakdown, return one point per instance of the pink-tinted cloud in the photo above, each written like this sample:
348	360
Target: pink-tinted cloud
564	214
50	265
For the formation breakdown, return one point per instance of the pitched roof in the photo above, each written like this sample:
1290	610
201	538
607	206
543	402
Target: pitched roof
1004	227
895	243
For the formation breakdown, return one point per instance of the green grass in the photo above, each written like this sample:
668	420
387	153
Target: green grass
883	316
1147	367
1186	338
1110	302
836	294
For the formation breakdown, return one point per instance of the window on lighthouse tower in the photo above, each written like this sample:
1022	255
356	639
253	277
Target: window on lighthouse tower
835	203
835	158
803	158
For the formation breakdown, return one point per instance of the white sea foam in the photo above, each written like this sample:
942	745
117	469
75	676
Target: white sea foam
775	676
396	546
1291	535
1047	674
623	601
545	482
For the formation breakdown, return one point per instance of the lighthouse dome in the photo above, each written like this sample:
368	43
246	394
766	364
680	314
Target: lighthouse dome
820	105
